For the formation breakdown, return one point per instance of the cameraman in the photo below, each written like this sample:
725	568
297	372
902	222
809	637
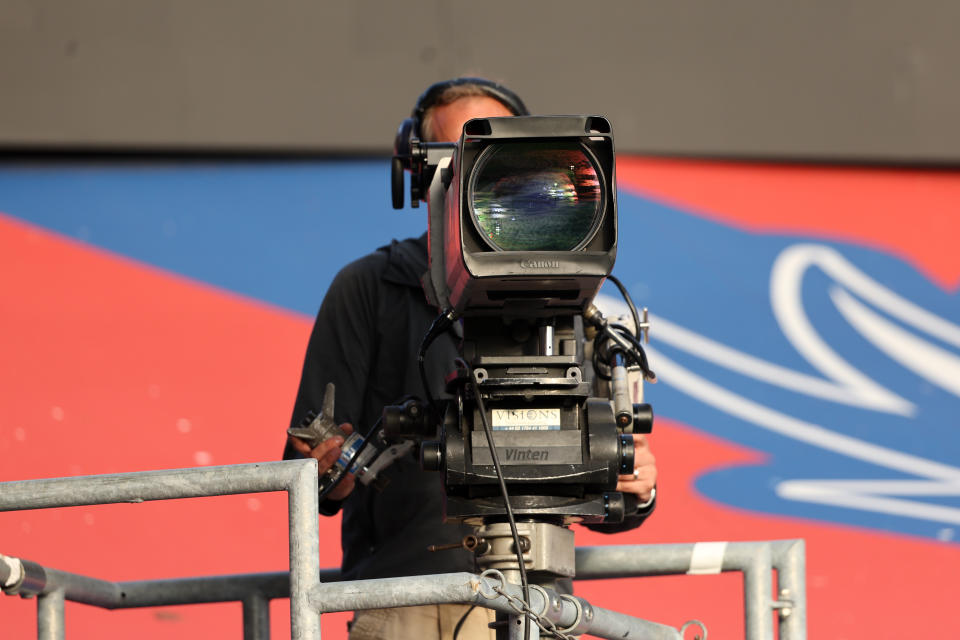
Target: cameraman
365	340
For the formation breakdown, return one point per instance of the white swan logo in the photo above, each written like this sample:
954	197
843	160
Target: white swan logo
839	382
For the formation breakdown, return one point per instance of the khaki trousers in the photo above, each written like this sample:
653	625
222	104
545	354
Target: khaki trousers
427	622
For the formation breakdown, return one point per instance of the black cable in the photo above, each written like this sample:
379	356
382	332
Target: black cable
641	357
603	353
598	355
440	324
633	350
503	490
626	296
463	618
639	354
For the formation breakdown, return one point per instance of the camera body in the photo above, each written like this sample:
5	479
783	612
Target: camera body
522	234
559	449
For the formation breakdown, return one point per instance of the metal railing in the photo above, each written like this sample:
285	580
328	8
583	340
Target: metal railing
297	477
313	591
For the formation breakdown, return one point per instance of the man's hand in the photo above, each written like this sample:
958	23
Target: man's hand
644	476
326	454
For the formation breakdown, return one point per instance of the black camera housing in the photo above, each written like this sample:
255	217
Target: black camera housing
471	276
522	307
563	465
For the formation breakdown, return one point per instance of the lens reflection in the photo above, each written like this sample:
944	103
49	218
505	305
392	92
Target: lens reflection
535	196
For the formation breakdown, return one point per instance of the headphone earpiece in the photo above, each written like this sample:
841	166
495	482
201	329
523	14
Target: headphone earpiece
401	145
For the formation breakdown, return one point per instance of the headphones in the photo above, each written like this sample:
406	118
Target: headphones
412	128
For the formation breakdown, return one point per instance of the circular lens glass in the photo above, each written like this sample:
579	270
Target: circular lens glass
536	196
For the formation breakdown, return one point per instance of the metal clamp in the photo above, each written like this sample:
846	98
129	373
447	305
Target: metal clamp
690	623
523	608
578	620
783	606
546	601
496	590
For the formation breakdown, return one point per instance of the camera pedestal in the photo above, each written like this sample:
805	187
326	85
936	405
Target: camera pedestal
548	549
548	553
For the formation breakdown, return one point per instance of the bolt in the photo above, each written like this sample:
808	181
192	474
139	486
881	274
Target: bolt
785	610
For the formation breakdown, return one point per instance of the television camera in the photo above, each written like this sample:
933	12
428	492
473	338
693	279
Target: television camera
536	428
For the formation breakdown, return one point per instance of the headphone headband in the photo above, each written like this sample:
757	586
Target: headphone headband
494	90
411	128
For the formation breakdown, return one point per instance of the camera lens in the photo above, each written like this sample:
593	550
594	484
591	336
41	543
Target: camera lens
536	196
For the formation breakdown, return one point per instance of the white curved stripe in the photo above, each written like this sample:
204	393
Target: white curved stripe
756	368
927	360
813	434
835	265
786	282
710	350
878	487
799	490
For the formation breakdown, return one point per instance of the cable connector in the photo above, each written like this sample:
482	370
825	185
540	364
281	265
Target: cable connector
622	339
440	324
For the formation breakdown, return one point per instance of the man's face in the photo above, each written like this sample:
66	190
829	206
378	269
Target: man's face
448	119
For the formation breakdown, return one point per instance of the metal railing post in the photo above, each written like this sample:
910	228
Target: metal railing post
789	559
757	592
304	554
256	617
50	622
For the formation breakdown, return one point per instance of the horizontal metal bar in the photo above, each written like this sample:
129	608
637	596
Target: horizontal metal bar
465	588
149	485
77	588
156	593
172	591
625	561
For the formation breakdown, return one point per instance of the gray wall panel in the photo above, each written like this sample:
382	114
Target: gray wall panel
863	79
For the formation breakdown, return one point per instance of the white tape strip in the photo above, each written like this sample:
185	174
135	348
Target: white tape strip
707	558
